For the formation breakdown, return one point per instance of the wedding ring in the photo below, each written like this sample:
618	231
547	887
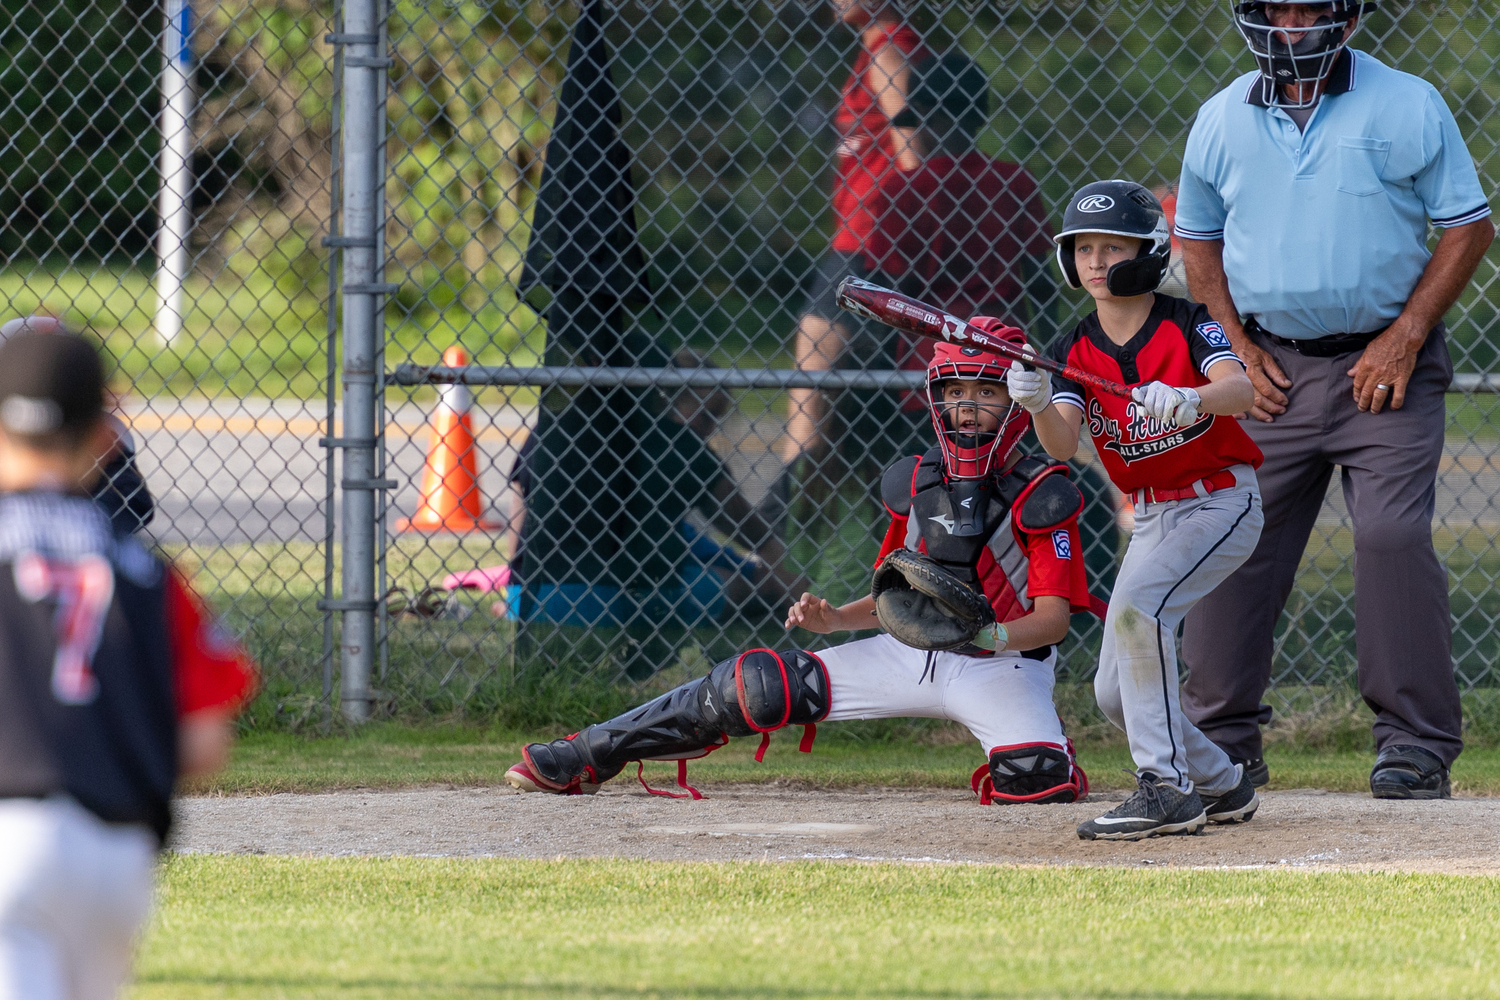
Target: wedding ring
1385	387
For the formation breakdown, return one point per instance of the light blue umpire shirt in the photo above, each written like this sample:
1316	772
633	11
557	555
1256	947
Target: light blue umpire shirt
1325	231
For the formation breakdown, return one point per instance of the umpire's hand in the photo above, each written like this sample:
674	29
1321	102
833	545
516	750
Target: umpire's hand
1267	378
1382	371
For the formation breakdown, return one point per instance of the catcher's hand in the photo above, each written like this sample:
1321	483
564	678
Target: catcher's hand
925	606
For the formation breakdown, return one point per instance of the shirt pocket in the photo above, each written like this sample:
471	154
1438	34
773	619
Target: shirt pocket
1361	162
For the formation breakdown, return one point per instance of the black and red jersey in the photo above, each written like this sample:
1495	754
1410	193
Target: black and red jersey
103	649
1177	345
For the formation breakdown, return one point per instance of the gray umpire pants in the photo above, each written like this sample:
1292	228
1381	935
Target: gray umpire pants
1179	551
1403	638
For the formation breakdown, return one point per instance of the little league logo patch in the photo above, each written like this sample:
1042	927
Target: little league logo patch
1213	335
1061	545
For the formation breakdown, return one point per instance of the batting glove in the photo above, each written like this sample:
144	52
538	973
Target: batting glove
1167	403
1031	390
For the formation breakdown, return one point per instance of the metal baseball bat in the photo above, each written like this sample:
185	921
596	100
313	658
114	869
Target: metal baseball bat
885	305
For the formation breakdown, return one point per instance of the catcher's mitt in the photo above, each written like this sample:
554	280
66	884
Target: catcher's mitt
925	606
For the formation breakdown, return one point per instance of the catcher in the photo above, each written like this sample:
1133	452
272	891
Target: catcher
980	571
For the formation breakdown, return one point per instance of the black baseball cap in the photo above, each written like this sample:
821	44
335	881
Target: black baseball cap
950	84
49	383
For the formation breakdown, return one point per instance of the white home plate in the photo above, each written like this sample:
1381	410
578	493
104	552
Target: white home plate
767	830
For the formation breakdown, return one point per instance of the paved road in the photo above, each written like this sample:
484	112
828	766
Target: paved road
227	471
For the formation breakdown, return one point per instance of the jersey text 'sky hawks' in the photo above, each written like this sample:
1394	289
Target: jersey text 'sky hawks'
1178	345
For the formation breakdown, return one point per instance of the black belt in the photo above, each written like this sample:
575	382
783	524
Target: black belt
1322	347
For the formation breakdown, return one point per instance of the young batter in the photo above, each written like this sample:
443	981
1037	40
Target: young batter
1004	523
1177	450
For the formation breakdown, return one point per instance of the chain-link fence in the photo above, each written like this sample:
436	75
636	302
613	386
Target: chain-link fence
626	214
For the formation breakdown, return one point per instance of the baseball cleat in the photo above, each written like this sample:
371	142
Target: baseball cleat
1408	772
1156	808
1257	768
522	778
1234	806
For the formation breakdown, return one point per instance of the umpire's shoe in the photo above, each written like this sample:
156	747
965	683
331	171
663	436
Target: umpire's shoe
1234	806
1156	808
1256	767
1407	772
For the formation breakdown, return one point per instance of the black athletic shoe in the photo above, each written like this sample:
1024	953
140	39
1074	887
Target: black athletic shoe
1155	809
1259	771
1407	772
1234	806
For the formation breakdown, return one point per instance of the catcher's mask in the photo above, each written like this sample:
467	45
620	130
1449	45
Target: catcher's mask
1295	55
973	456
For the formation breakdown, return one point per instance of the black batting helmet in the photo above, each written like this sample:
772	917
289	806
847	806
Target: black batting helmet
1292	56
1120	208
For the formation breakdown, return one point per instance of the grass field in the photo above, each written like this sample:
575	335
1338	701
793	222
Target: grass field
362	929
395	756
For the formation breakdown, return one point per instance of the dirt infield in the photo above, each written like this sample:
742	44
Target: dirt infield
1298	829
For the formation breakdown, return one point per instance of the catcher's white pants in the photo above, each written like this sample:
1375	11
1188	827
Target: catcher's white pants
73	893
1179	551
1004	700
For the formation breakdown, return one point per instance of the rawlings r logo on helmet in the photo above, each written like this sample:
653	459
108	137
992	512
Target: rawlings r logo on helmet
1096	203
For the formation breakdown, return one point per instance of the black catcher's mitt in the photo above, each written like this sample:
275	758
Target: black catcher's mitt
925	606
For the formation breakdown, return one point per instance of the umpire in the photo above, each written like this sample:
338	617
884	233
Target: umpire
1307	189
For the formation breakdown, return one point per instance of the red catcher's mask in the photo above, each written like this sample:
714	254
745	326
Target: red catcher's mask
974	456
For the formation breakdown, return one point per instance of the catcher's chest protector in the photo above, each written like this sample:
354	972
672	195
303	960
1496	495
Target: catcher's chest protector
957	520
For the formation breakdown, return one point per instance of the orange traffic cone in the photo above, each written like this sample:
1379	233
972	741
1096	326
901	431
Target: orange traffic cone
450	482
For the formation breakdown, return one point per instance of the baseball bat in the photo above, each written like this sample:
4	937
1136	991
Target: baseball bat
885	305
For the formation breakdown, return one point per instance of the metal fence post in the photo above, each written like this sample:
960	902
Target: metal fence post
363	293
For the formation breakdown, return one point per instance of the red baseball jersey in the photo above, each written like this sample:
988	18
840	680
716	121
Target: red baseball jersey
1177	345
865	153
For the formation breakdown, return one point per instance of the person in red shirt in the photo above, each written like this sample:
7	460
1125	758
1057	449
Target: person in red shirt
1004	522
870	149
1177	450
115	682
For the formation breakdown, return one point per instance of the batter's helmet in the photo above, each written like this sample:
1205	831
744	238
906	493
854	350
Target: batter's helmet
1120	208
1287	56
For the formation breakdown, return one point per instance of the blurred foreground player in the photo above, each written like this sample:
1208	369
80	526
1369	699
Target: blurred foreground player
1176	449
980	570
114	682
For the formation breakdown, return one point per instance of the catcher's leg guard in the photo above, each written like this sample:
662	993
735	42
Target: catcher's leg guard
759	691
1031	772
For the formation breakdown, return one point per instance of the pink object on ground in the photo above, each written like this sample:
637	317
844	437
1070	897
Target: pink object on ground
484	579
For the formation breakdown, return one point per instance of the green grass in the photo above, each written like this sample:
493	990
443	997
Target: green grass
352	929
388	755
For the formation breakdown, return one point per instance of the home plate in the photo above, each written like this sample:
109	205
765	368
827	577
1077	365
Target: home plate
768	830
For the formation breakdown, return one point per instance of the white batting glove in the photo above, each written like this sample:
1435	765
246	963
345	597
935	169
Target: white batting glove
1031	390
1168	403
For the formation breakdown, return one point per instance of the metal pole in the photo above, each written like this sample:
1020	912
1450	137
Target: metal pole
364	88
176	172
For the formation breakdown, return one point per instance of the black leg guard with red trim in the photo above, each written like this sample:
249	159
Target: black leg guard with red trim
759	691
1031	772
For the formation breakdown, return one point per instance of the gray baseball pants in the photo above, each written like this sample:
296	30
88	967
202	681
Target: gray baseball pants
1403	638
1179	551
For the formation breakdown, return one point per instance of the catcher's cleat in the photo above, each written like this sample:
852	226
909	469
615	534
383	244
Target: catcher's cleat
1234	806
1156	808
1257	768
522	778
1408	772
